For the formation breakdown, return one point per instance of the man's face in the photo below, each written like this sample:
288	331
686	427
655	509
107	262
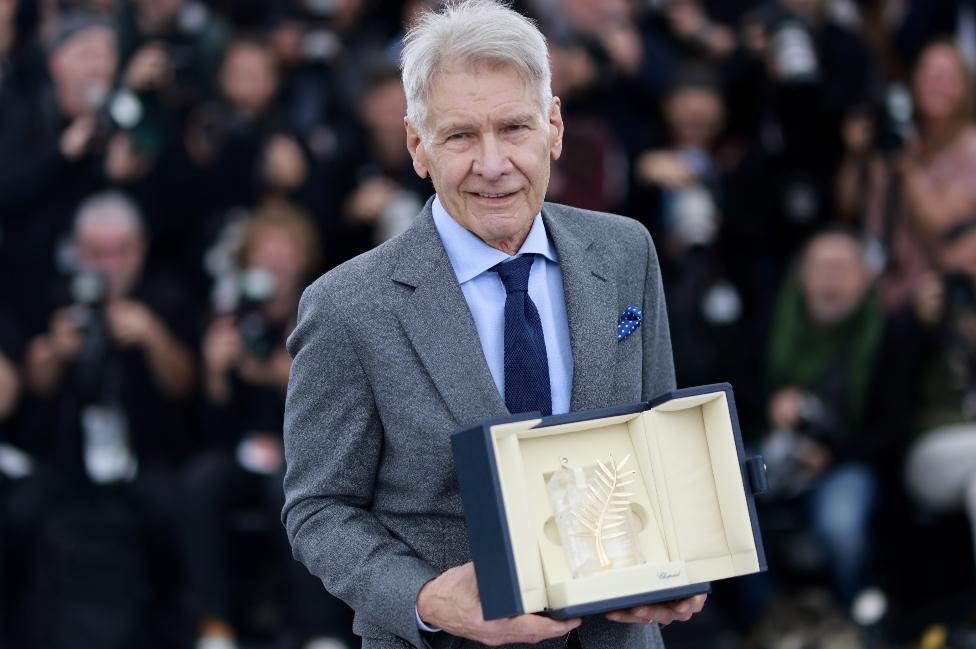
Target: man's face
940	83
248	78
114	249
695	117
834	279
488	149
277	252
83	69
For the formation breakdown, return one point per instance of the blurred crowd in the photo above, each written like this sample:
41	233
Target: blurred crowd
174	172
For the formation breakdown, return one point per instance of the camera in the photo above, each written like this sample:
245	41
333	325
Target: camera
256	286
89	294
960	294
793	55
113	110
320	45
784	449
896	124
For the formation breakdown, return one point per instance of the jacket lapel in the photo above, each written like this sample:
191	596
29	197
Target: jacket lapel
590	291
440	327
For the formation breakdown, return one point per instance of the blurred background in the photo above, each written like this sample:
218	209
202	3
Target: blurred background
174	172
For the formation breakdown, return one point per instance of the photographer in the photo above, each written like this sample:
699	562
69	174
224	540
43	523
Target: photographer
240	142
110	242
109	382
940	466
246	371
59	151
383	194
823	349
169	51
918	193
687	183
807	71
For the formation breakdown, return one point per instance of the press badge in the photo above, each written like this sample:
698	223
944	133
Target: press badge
107	455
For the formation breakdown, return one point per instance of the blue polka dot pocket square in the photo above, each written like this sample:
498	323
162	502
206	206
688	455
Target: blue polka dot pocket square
629	320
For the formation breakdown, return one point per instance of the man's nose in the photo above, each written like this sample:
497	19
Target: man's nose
493	160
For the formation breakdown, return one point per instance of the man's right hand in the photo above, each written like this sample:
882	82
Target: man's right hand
451	602
222	350
76	138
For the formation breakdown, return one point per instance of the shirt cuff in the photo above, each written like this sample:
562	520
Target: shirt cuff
422	626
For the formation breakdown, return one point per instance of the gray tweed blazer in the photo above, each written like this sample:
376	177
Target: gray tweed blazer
387	364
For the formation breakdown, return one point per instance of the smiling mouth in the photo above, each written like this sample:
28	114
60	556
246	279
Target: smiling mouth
492	195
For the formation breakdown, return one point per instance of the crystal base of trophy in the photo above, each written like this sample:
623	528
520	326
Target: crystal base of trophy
594	516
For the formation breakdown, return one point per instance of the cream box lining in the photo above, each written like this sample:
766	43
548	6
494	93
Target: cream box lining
689	501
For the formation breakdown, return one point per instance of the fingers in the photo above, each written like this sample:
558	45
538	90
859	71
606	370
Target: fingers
451	602
75	138
149	67
696	603
664	613
527	628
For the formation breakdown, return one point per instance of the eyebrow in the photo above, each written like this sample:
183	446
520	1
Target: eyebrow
455	127
520	118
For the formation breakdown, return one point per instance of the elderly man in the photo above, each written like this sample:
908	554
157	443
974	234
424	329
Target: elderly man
397	348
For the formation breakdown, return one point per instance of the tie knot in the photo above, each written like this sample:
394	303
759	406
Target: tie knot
515	274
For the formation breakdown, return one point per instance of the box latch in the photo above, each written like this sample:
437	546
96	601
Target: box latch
756	469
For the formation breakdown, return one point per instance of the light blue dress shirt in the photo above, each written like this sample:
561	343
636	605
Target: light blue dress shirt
484	292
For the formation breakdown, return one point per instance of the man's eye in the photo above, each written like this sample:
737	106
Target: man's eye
458	136
515	128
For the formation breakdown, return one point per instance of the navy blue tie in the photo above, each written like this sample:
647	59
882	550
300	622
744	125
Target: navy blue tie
526	363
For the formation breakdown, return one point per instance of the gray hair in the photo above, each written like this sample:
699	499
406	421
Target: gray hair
470	32
108	208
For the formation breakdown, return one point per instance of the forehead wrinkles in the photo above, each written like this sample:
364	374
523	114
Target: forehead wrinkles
469	97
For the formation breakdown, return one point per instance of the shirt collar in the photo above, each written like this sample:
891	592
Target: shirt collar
470	256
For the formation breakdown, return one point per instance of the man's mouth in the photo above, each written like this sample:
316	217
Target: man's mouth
493	195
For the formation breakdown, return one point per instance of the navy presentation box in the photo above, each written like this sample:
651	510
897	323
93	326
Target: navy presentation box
691	503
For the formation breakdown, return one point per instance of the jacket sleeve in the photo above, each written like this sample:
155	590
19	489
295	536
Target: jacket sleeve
333	443
658	362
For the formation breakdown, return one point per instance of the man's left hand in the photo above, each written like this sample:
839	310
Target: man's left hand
664	613
131	322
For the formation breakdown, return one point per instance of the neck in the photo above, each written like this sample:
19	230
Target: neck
938	133
511	245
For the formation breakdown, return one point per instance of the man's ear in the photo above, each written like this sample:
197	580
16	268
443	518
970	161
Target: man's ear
416	148
555	129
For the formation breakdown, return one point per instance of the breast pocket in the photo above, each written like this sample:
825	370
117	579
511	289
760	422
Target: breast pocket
628	372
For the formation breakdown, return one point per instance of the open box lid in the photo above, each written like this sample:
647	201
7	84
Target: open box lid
692	432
